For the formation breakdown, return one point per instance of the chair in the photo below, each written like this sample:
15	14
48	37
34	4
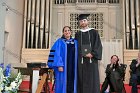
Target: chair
44	82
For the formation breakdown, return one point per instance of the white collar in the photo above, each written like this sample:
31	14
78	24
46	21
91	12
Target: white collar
85	30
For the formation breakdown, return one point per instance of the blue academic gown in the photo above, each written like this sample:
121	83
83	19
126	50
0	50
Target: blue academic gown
57	58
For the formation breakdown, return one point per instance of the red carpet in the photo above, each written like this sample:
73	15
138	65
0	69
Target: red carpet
25	85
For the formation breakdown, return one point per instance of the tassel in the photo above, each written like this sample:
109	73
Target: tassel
82	61
90	60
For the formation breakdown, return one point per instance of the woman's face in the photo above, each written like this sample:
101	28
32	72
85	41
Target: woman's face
114	59
67	32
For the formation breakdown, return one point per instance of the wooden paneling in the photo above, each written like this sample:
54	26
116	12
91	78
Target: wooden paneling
34	55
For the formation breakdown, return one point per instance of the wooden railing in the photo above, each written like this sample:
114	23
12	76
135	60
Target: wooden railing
85	1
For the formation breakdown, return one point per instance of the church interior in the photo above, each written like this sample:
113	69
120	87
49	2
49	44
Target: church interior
29	28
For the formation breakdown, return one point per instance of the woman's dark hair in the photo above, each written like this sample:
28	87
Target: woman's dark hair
117	64
115	56
65	27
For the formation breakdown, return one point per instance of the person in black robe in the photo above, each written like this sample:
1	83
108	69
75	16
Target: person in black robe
115	73
89	52
135	74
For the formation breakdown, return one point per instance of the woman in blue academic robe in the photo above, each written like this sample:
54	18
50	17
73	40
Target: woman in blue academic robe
63	59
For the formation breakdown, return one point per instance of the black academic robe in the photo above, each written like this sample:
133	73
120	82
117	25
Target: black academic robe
134	71
114	78
88	73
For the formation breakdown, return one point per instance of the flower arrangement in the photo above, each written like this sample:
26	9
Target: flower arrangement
9	84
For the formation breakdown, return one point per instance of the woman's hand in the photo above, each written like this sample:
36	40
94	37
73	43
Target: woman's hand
60	69
111	65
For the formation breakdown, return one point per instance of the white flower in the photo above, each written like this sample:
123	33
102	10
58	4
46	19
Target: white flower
1	88
13	84
8	88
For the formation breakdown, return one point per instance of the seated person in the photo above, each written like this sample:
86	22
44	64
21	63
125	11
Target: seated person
115	73
135	74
